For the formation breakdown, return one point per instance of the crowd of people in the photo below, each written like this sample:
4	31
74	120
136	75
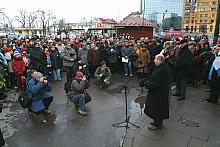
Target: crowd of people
32	64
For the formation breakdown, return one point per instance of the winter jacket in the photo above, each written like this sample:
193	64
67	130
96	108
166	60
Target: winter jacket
93	57
55	59
78	87
83	54
37	91
67	56
18	66
8	56
127	51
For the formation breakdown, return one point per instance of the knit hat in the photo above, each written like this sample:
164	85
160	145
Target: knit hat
8	50
16	53
23	49
39	75
218	41
79	74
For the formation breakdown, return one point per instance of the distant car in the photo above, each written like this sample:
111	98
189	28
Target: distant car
12	36
3	35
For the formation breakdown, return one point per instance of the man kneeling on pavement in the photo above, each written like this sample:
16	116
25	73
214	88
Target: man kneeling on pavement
78	93
39	90
103	74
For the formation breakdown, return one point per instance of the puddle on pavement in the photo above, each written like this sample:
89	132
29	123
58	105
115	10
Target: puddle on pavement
135	110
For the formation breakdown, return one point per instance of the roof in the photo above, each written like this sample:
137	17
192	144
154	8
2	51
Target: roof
107	21
27	29
134	20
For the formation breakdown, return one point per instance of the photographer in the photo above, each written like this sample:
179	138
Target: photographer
157	106
78	95
103	74
39	90
68	56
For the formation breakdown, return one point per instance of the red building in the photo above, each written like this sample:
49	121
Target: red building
135	26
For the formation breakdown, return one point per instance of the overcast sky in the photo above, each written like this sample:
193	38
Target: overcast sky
75	10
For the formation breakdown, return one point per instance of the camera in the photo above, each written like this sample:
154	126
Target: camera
143	83
71	55
165	54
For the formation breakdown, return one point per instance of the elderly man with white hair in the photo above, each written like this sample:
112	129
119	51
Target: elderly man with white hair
157	106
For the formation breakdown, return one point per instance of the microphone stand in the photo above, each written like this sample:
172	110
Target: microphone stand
127	118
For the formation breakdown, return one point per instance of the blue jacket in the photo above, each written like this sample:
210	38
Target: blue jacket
37	91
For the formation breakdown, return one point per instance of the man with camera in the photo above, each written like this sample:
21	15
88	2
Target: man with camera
78	93
157	106
39	90
103	74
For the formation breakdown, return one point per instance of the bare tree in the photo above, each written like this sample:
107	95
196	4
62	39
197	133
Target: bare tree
22	17
5	21
46	18
31	18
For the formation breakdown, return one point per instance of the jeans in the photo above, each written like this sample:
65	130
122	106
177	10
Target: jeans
56	74
79	99
181	84
128	67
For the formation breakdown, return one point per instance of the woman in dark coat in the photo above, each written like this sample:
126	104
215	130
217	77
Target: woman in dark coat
157	106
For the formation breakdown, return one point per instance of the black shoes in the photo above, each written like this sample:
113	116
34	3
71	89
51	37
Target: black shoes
180	99
211	101
176	94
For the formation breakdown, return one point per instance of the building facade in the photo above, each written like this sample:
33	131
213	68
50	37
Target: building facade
201	17
157	10
135	26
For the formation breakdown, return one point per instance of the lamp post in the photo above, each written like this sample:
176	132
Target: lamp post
164	13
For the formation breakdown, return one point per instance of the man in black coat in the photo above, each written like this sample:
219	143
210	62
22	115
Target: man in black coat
183	66
157	106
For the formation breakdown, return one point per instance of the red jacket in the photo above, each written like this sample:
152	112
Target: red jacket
18	66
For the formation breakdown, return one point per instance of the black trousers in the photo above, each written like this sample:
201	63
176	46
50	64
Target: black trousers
158	123
69	73
2	141
214	90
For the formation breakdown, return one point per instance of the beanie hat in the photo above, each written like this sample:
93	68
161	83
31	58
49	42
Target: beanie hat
23	49
8	50
218	41
16	53
79	74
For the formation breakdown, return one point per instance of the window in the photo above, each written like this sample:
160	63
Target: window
213	9
212	21
192	21
195	21
196	15
201	21
191	28
212	15
206	15
187	28
211	28
205	21
187	21
201	15
212	3
195	28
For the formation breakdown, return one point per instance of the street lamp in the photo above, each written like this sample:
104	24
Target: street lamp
164	13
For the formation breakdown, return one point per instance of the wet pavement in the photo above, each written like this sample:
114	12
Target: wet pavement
66	128
193	123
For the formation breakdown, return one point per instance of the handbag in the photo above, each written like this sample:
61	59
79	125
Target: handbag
24	101
87	97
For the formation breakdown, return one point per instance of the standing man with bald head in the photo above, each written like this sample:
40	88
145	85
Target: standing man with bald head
157	107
